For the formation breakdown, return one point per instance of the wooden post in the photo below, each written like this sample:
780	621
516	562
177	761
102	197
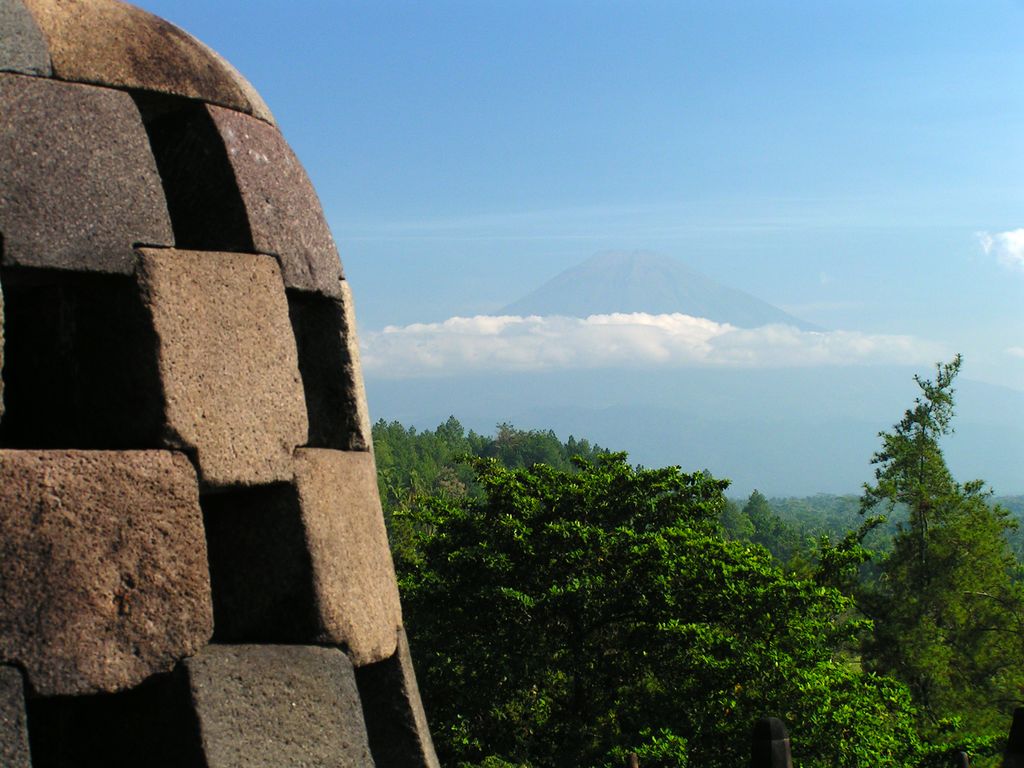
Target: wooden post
632	761
770	745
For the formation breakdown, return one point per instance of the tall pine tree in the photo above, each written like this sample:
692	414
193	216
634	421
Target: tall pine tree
947	612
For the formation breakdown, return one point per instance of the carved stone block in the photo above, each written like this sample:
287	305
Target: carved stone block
79	182
14	749
103	572
284	212
265	706
22	47
307	562
353	574
138	51
228	363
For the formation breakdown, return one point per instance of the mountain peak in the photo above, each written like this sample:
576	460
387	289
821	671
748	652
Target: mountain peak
642	281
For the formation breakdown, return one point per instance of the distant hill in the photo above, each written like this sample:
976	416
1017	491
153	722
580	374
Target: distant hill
640	281
785	432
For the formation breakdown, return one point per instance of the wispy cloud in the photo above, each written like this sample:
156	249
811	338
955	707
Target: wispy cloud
635	340
1008	246
1015	351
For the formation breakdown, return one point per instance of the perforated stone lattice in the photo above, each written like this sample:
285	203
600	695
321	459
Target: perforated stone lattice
194	569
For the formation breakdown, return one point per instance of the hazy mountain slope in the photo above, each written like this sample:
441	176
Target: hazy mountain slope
639	281
784	432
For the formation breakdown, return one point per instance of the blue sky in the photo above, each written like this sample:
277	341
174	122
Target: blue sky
837	159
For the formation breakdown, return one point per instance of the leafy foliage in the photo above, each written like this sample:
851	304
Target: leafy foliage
569	612
946	607
414	464
567	617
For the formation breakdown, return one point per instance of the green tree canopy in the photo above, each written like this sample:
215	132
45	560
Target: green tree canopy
566	617
946	608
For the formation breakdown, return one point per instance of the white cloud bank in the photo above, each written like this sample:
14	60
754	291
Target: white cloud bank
1007	246
636	340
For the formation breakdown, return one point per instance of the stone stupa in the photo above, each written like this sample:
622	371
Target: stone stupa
194	569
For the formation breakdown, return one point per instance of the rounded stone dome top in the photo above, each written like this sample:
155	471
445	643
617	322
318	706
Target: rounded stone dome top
106	42
122	130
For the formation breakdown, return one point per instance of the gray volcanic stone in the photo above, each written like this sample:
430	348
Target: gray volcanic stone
79	183
118	45
395	720
22	47
227	360
14	749
103	572
325	332
284	212
353	574
264	706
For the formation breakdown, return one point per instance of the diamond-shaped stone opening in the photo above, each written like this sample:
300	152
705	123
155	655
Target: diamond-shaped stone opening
153	725
260	569
205	206
79	362
326	369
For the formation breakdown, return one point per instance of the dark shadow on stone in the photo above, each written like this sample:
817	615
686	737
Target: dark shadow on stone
260	571
14	747
395	721
205	206
80	368
152	725
326	370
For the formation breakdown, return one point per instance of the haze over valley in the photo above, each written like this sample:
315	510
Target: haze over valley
638	352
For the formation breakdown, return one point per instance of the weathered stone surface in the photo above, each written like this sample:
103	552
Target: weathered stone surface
353	574
257	106
22	47
79	184
325	332
116	44
103	573
228	362
395	720
271	706
14	750
284	212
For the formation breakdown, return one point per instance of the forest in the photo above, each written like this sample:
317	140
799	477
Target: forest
565	607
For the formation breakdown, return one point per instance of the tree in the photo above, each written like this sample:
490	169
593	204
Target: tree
773	533
567	617
945	606
734	522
